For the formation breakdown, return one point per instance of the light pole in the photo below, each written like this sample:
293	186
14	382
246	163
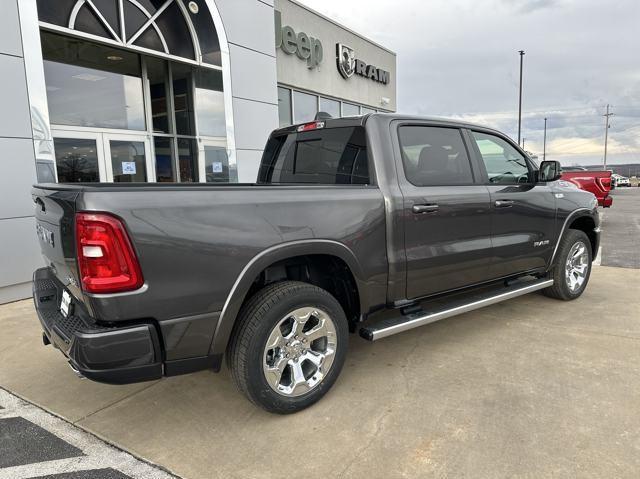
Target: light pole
523	139
544	142
606	135
520	97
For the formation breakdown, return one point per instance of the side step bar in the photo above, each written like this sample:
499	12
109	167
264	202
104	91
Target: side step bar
391	326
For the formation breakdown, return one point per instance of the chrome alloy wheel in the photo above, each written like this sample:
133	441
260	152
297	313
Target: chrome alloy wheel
299	352
577	266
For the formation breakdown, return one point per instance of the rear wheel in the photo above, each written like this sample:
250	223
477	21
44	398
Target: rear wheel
572	266
289	346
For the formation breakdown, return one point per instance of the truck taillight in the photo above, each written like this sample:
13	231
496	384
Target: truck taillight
106	259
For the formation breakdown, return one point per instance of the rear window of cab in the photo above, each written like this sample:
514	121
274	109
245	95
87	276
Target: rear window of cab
332	156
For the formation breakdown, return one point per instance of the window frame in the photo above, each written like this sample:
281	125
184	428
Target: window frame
479	160
401	171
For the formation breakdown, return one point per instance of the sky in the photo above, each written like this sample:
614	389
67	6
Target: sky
459	59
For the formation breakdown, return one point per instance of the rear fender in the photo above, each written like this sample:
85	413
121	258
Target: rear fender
272	255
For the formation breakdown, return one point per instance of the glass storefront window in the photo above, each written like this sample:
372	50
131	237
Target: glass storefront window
284	106
164	159
366	110
183	98
330	106
76	160
305	107
157	75
187	156
349	109
92	86
128	161
210	103
216	164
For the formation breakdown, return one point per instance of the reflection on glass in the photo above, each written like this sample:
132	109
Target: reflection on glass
76	160
164	160
350	110
207	38
284	106
92	85
81	96
216	164
330	106
128	161
305	107
187	152
157	74
210	103
183	98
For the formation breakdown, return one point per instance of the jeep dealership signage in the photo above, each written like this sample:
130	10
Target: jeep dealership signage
348	65
310	49
304	46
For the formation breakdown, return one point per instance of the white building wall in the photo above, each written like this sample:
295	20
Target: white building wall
249	27
19	251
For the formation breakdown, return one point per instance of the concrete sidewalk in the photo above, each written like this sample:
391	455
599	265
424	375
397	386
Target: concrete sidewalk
528	388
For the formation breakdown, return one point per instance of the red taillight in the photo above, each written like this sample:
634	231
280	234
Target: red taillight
106	258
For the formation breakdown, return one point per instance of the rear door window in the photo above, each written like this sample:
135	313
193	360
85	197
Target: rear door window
434	156
334	156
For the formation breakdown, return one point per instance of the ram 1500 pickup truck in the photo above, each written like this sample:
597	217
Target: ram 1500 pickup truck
377	224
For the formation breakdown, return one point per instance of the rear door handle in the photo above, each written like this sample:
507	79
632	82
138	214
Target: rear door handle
417	209
504	203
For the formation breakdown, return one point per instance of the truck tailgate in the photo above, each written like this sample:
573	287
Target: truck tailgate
55	211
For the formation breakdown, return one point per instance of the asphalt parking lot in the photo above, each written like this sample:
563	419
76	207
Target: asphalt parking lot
532	387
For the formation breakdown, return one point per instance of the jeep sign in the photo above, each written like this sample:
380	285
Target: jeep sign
305	47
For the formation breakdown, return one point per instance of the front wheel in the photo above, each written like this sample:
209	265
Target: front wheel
572	266
288	347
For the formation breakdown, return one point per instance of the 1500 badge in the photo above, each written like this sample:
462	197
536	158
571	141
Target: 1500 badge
44	234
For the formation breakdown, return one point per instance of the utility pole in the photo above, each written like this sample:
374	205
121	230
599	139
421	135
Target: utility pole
520	97
606	135
544	142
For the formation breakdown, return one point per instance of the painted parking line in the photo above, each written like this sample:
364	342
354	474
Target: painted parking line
36	444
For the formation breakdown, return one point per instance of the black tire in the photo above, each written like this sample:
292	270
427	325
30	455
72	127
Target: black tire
257	320
560	288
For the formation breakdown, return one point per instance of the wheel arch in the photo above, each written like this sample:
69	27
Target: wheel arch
581	219
273	257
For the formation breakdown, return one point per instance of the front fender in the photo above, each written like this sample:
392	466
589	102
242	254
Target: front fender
272	255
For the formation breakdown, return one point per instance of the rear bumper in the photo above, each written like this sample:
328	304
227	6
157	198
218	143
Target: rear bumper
114	355
606	202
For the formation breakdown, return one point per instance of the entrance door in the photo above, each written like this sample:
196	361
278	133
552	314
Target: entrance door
79	157
92	156
128	159
214	163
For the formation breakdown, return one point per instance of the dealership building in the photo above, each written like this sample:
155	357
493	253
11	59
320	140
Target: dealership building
162	91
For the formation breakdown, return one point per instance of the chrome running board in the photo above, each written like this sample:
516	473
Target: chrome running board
391	326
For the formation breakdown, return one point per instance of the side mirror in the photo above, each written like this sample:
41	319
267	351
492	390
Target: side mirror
550	171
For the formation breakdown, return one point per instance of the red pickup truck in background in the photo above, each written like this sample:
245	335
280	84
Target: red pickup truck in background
596	182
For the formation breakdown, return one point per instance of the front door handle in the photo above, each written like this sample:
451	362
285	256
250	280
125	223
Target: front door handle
504	203
417	209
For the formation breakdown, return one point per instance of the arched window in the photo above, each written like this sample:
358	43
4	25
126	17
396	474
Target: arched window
176	28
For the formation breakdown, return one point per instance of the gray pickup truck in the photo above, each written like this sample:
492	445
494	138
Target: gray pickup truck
377	224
